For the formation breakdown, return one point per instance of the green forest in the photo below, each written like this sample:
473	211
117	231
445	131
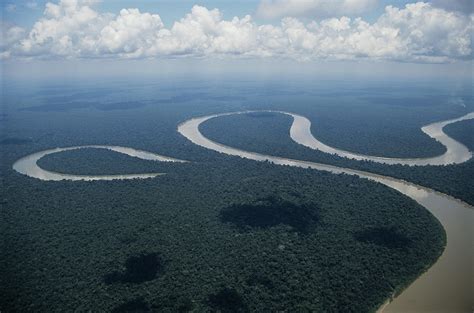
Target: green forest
219	233
229	235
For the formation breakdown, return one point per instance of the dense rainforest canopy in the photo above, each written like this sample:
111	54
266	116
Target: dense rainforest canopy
259	236
218	233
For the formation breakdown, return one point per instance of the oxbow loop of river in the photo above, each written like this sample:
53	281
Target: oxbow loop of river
446	287
28	164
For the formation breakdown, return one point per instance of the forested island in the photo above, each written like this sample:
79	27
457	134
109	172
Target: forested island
94	161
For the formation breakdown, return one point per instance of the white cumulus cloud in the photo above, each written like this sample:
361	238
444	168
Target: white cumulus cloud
131	32
418	32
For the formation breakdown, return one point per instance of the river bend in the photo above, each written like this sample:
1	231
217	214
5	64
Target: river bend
448	285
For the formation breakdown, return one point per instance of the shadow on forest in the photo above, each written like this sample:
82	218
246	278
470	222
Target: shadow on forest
139	269
383	236
257	280
270	211
227	300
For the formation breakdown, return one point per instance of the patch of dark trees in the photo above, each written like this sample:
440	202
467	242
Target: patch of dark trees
138	269
271	211
227	300
388	237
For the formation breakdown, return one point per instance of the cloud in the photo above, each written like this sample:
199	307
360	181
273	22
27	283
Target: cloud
9	35
64	30
131	33
419	32
271	9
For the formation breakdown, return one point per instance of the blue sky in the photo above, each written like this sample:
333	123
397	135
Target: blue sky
169	10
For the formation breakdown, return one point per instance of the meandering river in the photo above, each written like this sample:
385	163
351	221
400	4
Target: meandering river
446	287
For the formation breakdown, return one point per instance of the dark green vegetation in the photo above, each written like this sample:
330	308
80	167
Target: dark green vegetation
188	240
14	141
269	212
92	161
138	269
98	245
180	304
270	135
227	300
383	236
135	305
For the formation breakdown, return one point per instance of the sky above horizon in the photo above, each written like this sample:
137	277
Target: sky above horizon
304	31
